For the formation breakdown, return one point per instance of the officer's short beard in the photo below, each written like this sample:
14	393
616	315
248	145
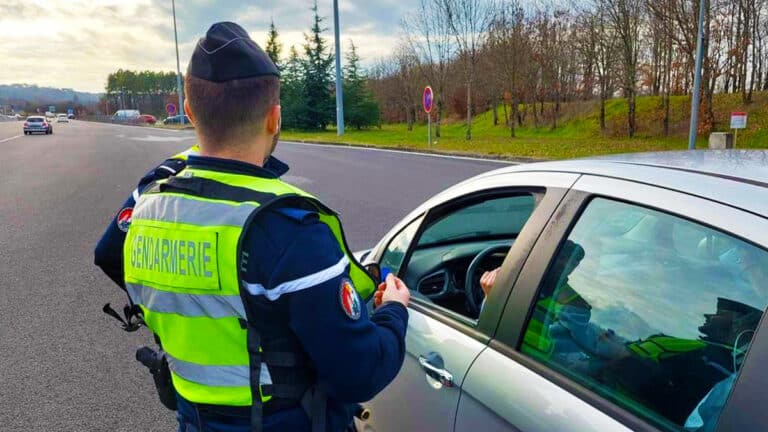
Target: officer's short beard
275	140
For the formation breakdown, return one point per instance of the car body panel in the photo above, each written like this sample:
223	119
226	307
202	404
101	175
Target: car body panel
436	403
500	394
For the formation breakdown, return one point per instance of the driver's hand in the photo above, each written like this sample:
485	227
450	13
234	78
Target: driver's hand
393	289
487	281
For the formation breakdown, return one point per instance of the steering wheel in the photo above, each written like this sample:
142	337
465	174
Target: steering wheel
472	288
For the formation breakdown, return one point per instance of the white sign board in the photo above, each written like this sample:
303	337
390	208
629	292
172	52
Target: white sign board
738	120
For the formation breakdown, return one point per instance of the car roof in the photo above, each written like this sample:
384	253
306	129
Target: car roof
737	178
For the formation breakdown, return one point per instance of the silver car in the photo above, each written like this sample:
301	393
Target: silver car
630	296
37	124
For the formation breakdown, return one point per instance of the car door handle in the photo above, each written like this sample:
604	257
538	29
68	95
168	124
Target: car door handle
436	371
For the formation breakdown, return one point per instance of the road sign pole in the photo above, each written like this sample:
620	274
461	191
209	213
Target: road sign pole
735	137
178	66
429	129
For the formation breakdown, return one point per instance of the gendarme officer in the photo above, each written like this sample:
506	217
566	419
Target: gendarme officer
246	281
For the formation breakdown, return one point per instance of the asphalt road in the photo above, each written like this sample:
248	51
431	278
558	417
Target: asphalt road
65	366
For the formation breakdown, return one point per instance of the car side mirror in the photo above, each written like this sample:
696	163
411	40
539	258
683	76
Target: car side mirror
374	270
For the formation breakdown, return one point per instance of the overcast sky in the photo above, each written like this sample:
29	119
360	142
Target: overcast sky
76	43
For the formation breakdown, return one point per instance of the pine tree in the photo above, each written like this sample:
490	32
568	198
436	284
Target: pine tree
273	47
318	107
292	90
360	108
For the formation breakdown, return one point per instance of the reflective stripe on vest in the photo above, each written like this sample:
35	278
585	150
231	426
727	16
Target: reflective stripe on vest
188	305
192	151
182	267
216	376
180	209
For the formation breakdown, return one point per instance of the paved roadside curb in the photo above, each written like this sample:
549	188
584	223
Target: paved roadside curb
468	155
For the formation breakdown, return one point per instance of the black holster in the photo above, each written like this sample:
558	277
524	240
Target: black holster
157	364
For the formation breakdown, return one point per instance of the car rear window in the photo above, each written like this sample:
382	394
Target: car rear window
35	120
651	311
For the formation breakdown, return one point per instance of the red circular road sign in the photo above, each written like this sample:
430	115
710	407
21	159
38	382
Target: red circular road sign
428	99
171	109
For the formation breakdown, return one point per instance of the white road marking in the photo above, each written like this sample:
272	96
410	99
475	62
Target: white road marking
417	153
11	138
154	138
296	180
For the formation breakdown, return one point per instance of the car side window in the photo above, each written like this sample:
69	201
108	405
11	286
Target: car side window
651	311
479	230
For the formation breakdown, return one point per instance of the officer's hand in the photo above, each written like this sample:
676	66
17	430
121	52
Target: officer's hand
392	290
487	281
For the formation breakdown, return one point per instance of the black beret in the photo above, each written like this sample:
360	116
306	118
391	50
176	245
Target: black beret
227	53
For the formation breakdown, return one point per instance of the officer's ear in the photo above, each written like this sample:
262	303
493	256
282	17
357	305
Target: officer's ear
272	123
188	111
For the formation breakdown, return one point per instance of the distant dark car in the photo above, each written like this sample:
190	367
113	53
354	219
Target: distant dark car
70	116
176	120
147	118
37	124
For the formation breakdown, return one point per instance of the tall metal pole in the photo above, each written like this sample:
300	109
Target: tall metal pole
178	67
339	90
429	129
697	79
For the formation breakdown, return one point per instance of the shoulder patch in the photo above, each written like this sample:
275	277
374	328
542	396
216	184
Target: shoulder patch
124	219
349	300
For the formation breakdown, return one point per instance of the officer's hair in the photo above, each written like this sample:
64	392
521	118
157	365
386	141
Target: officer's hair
229	110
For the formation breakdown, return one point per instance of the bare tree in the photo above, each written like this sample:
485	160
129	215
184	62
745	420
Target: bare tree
510	48
468	20
597	45
663	31
428	36
606	54
626	16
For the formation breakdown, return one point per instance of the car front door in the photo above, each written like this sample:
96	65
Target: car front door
443	339
633	312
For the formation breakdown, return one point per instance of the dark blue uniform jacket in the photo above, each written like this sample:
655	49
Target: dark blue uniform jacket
353	359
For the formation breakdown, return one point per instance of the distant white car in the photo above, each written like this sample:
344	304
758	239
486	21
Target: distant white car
62	118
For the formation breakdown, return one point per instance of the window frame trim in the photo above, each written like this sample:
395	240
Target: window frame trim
419	220
520	304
